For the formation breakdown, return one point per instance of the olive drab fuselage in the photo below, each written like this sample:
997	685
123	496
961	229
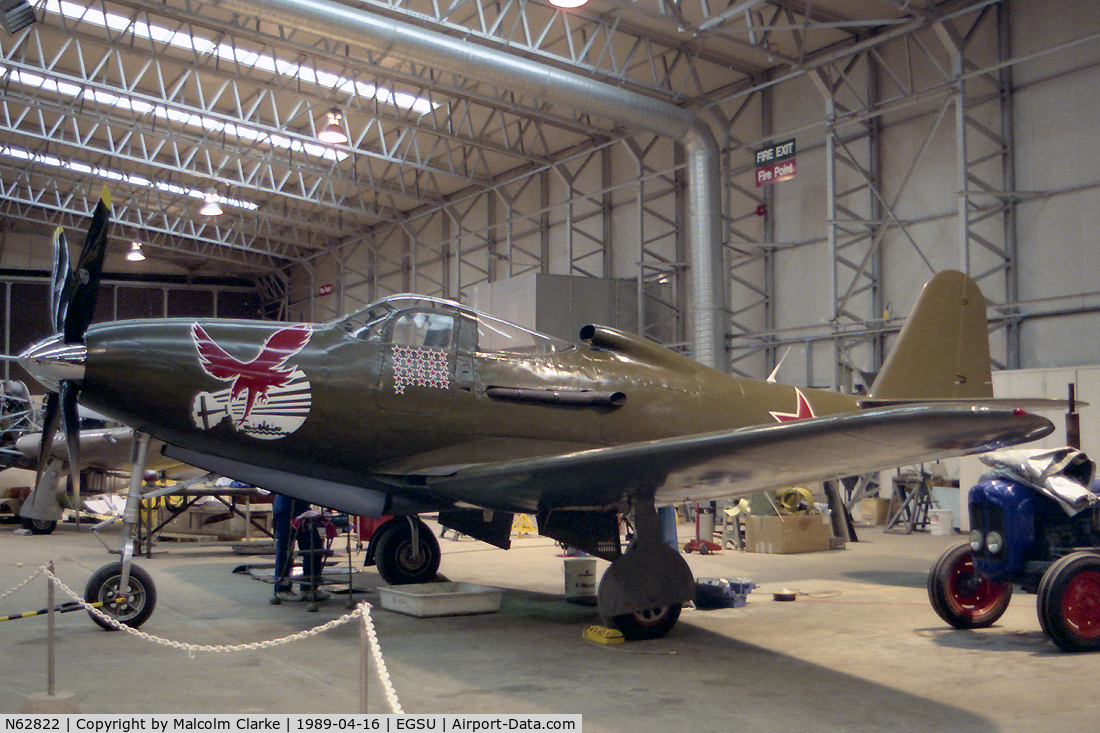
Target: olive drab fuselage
397	396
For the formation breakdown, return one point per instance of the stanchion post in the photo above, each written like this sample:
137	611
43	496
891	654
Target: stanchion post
50	702
50	678
363	665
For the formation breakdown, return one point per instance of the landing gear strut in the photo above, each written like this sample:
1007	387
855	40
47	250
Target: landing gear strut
126	591
41	511
641	594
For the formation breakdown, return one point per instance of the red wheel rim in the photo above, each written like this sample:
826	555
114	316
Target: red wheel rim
971	594
1081	604
651	616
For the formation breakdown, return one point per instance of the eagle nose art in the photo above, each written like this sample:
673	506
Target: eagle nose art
53	361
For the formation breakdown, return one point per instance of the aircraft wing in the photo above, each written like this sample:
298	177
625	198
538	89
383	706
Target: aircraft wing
109	449
737	462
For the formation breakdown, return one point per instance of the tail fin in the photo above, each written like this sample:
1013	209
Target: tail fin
942	351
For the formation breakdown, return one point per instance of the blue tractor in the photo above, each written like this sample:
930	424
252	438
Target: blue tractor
1035	524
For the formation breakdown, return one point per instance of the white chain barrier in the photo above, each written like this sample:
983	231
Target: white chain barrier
361	611
43	569
379	663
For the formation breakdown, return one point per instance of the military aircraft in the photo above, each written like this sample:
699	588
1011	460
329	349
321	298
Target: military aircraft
102	450
417	405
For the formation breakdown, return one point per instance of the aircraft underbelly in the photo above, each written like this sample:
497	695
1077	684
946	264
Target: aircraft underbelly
478	451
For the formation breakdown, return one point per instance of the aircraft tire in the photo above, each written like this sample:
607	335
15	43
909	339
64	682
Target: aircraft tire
395	560
652	624
39	526
138	605
960	596
1069	602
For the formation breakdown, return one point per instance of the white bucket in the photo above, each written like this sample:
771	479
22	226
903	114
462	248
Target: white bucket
942	521
705	522
580	578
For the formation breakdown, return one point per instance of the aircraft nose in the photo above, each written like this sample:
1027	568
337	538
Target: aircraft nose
53	361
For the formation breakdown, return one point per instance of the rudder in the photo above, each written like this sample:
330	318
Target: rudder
942	351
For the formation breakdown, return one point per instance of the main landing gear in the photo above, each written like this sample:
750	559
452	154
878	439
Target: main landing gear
41	511
405	551
641	594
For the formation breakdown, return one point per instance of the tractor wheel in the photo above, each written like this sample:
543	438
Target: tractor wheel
1069	602
962	597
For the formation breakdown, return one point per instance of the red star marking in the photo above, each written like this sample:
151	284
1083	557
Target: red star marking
804	410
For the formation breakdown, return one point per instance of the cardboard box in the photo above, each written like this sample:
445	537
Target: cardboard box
787	534
875	511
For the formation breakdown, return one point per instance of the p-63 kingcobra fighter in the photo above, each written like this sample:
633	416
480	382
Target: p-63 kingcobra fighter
418	405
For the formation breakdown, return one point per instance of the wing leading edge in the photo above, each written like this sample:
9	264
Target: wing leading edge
738	462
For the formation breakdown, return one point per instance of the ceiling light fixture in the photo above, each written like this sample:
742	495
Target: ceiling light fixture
15	15
135	255
211	207
567	3
333	134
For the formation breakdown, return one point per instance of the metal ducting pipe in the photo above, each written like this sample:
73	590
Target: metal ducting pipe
410	43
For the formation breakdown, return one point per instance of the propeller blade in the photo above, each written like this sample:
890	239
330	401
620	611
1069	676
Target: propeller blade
71	420
89	268
61	281
49	428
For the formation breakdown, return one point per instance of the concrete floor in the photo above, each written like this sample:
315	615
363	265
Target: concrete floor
860	650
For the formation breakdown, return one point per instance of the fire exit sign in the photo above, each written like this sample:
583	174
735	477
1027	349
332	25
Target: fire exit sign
775	163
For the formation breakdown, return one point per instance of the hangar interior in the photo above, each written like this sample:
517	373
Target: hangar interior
494	148
929	136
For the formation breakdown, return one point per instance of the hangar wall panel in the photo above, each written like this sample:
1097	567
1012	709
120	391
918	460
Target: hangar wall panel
1058	159
618	212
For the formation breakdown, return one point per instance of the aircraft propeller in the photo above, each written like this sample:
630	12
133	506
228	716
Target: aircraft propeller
73	297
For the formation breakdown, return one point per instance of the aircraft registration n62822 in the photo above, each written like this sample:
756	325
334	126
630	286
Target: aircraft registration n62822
418	405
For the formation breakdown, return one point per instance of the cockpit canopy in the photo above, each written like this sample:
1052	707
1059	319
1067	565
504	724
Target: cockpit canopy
417	320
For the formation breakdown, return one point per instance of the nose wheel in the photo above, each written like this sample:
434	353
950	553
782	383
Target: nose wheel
131	604
125	591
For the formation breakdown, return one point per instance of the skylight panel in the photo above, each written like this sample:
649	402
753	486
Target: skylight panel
190	119
80	167
227	52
